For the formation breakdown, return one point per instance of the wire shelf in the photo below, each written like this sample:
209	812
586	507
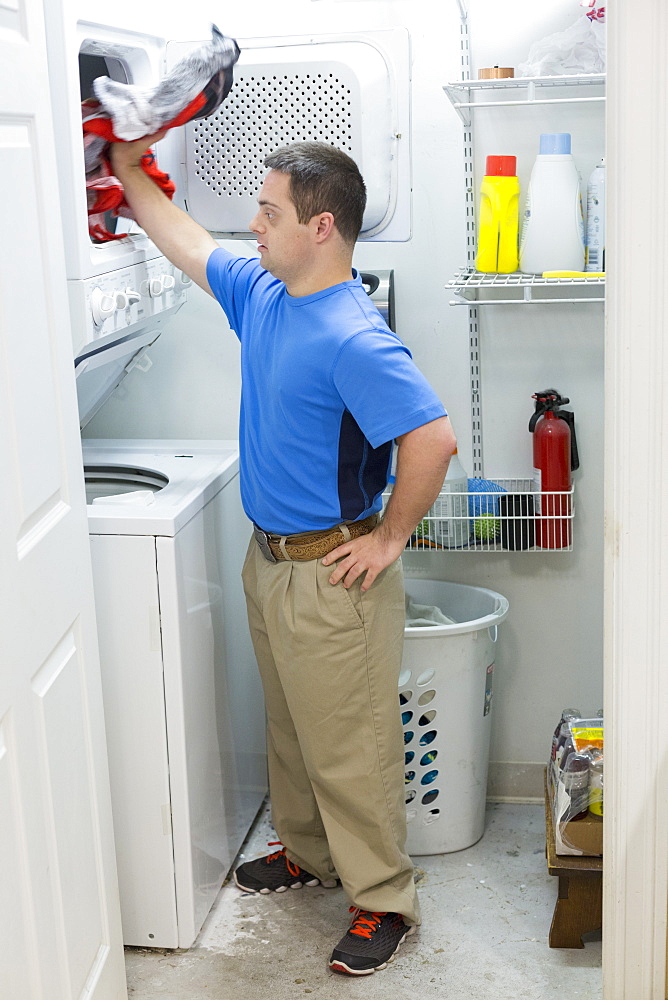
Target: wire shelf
532	84
510	517
467	284
518	82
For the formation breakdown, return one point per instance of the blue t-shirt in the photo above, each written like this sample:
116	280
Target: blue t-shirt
326	387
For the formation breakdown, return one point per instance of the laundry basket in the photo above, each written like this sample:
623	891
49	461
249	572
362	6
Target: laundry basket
445	696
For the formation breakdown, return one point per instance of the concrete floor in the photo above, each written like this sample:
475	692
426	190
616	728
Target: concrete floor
486	912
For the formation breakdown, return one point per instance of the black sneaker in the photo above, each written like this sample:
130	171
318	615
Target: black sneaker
372	940
275	873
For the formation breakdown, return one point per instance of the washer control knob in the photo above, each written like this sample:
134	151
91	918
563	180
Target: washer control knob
156	286
102	305
168	282
132	295
184	280
121	300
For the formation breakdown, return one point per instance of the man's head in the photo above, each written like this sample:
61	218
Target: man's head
310	212
323	179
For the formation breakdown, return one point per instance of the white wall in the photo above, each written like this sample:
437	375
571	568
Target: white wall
550	649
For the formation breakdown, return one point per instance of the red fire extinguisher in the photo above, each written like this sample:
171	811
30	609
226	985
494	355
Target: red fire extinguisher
555	456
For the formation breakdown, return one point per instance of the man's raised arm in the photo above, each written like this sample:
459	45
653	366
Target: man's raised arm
182	240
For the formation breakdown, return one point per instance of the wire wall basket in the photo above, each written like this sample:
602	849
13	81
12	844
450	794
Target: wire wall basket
496	516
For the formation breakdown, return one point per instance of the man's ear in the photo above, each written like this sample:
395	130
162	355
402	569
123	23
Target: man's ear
324	225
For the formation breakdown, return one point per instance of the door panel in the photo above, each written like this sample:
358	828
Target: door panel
59	910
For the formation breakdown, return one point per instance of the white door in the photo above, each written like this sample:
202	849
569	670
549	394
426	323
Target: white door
635	845
60	935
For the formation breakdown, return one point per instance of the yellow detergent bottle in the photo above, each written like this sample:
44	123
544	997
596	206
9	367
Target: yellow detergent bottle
498	219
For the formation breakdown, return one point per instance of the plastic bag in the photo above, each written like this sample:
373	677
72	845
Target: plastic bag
578	49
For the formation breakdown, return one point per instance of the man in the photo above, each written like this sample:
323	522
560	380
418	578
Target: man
326	389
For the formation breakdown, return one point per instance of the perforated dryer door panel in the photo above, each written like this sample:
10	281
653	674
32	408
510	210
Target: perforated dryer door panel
292	106
336	90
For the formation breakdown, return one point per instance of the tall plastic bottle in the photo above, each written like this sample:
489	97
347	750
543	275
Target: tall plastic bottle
553	228
450	525
498	218
595	242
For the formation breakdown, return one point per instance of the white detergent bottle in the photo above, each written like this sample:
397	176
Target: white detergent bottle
553	228
595	248
449	524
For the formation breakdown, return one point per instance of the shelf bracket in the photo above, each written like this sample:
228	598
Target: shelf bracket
474	341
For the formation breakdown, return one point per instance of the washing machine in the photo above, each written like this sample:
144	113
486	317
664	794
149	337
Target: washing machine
183	702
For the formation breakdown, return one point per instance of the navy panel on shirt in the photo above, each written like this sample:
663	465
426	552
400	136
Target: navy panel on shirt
363	470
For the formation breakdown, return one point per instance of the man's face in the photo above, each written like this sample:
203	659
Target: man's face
285	245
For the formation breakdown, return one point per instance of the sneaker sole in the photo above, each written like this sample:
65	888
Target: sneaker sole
283	888
345	970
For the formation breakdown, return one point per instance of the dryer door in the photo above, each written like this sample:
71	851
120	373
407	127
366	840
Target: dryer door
350	90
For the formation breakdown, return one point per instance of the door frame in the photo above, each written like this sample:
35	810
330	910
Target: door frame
635	884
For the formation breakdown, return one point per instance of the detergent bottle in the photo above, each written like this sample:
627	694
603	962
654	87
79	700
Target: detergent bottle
498	218
553	228
450	526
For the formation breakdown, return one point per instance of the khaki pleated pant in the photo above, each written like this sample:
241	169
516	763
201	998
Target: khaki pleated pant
329	659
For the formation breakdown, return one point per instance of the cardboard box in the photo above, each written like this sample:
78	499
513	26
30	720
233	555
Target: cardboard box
580	836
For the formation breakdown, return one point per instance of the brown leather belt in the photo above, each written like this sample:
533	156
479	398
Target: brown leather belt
311	544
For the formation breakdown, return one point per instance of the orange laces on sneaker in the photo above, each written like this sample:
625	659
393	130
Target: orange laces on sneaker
292	868
365	923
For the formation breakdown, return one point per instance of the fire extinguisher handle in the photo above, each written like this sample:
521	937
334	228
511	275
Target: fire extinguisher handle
541	407
569	417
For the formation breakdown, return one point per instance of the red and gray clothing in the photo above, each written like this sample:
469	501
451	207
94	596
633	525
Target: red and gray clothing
194	88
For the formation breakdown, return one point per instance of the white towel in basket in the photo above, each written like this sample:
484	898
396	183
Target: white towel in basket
424	616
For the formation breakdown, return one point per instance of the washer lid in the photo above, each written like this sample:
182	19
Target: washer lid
100	370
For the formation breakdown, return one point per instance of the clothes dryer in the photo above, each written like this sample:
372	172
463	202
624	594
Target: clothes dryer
183	701
118	290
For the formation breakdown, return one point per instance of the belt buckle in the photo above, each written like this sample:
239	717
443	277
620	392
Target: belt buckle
262	539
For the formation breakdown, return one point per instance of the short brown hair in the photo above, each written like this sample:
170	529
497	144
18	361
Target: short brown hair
323	179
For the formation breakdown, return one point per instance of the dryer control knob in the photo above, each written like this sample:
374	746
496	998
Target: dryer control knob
102	305
156	286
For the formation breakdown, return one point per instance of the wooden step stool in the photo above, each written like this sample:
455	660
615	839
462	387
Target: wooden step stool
579	906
